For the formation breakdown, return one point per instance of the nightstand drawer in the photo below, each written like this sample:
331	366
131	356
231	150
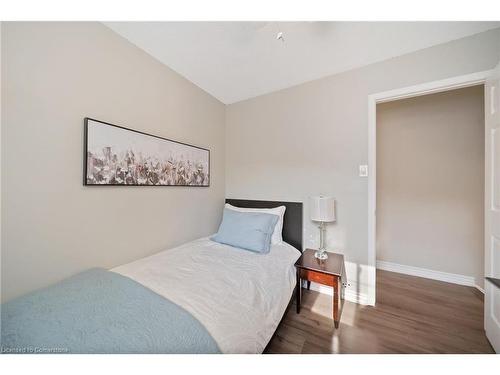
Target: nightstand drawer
317	277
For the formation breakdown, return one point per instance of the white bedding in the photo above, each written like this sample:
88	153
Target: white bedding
239	296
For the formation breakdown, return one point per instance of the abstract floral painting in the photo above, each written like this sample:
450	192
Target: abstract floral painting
119	156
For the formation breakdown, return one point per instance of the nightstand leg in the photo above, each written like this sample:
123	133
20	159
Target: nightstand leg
336	300
308	285
298	291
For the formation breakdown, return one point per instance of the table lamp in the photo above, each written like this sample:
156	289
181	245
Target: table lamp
322	210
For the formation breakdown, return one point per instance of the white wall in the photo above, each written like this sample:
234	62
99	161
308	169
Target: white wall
430	182
310	139
53	75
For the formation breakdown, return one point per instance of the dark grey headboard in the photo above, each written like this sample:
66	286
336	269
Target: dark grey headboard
292	222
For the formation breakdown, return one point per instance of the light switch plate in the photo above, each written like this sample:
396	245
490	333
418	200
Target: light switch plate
363	170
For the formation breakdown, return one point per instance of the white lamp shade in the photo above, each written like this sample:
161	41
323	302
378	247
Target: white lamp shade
322	209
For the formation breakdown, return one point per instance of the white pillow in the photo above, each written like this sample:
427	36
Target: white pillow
277	237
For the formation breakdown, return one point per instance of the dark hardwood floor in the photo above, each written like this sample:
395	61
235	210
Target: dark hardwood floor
412	315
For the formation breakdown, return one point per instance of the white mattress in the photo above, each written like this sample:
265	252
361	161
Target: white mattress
239	296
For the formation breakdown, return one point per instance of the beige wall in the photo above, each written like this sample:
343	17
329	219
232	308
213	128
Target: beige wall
53	75
291	144
430	182
311	138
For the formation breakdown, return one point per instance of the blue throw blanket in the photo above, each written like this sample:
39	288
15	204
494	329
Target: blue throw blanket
98	311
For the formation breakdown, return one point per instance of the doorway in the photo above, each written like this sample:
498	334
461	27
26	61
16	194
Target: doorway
430	186
469	80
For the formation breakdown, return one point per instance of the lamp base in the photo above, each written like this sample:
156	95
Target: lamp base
321	254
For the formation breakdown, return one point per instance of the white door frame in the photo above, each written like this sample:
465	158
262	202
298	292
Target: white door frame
453	83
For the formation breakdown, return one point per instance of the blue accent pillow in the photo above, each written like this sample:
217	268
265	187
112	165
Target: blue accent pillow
246	230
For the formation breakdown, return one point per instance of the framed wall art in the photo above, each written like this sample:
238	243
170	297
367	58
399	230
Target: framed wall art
115	155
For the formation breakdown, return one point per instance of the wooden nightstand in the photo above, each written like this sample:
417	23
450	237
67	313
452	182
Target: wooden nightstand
327	272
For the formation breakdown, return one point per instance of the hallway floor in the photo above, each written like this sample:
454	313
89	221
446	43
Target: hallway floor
412	315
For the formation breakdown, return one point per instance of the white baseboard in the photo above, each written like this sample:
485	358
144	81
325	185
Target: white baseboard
479	288
349	295
364	299
428	274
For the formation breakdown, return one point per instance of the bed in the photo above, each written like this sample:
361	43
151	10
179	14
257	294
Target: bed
200	297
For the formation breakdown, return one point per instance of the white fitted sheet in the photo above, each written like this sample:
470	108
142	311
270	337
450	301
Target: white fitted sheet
239	296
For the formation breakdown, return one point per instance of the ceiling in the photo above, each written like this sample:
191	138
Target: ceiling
234	61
